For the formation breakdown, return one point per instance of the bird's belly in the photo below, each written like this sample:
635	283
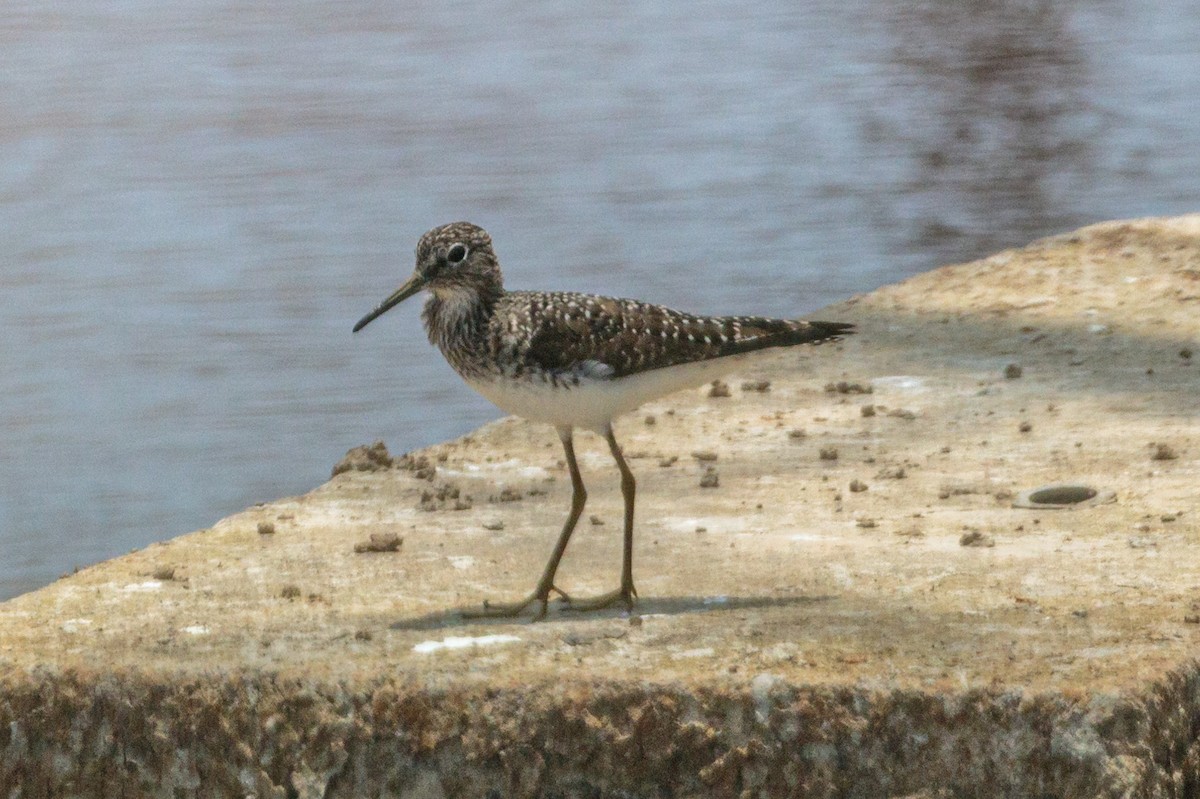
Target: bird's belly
593	402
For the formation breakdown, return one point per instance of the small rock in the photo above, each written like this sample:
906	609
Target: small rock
1169	517
1163	452
710	479
419	465
718	389
756	385
443	497
650	420
165	573
380	542
266	528
1013	371
828	453
1025	427
665	462
1186	354
902	413
493	526
366	458
891	473
290	591
1191	619
363	635
857	486
867	411
704	456
976	538
866	524
844	387
596	520
796	433
507	495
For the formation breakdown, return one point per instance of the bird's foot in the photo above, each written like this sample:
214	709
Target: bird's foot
624	595
508	610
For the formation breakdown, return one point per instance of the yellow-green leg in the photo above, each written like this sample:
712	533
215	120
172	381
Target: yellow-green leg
626	593
545	586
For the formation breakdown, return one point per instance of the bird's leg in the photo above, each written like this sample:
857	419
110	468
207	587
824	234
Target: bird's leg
541	594
626	593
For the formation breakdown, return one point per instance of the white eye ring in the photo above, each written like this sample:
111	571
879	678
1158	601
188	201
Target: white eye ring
456	254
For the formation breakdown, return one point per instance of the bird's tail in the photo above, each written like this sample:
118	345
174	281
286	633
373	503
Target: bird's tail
756	333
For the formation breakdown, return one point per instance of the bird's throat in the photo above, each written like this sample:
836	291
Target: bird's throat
455	316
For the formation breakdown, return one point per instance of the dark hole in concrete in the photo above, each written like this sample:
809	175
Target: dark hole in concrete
1062	495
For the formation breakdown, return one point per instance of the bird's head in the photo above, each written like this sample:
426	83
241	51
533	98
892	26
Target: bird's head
452	260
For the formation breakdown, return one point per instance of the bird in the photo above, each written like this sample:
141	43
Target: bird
573	361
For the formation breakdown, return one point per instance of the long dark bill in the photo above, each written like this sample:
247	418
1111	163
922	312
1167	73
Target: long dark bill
411	287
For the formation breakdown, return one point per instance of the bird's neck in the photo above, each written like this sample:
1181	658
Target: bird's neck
456	317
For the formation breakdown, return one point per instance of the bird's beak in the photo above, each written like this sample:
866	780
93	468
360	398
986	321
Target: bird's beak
411	287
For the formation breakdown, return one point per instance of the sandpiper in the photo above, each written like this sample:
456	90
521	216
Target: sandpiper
572	360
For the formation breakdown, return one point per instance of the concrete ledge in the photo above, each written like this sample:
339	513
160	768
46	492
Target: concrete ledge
855	609
269	736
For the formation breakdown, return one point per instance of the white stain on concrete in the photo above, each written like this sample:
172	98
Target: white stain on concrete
148	585
464	642
907	383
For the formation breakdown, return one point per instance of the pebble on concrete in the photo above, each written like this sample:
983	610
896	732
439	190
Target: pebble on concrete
366	458
380	542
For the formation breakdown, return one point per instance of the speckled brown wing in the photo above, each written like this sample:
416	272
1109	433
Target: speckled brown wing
565	331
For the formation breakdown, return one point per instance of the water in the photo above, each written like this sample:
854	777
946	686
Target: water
198	200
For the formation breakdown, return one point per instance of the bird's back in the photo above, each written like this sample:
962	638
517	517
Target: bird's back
559	332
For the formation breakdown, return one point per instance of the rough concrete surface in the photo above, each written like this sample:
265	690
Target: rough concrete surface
855	609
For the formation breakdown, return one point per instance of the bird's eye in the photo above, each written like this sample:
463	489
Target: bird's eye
456	254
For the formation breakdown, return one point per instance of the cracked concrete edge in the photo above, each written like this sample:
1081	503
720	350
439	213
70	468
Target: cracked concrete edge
134	734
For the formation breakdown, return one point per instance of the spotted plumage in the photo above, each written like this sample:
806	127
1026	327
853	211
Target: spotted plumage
559	330
573	360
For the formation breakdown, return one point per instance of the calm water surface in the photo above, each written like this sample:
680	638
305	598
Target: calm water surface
198	199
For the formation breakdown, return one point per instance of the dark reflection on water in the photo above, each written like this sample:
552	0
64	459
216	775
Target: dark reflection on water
1002	129
197	201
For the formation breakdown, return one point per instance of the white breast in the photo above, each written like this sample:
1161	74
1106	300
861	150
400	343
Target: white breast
595	401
